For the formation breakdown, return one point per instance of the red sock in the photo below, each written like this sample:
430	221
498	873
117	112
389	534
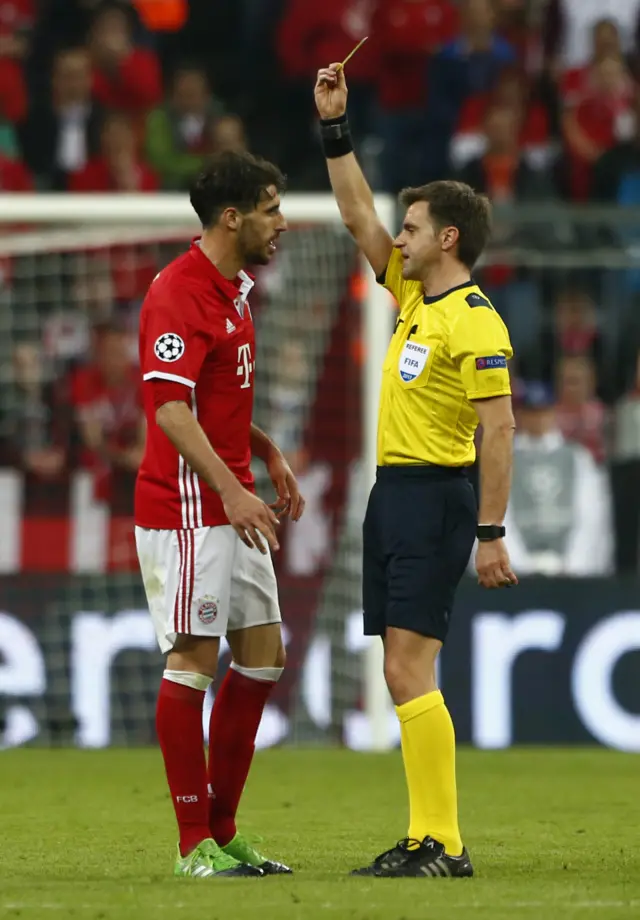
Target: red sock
179	728
235	718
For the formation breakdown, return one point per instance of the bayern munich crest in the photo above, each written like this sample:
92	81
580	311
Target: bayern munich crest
207	609
169	347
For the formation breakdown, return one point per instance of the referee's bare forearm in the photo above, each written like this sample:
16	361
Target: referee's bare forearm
358	212
184	431
354	197
351	190
496	457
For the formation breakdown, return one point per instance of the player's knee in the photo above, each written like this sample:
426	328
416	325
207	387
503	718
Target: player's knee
194	654
280	657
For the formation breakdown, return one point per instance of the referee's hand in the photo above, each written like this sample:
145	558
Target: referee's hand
493	566
331	92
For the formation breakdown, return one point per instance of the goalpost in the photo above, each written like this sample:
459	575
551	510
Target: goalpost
64	258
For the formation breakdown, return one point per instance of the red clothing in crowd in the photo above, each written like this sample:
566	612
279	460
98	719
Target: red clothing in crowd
117	410
16	16
406	33
535	127
574	84
584	424
13	92
315	34
14	176
605	119
578	340
135	87
97	177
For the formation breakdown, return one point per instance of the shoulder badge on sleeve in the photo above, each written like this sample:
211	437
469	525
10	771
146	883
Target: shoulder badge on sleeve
477	300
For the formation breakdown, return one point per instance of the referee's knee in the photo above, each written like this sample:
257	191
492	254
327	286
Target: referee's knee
407	678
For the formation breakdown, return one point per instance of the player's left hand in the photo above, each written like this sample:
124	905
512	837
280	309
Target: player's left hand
493	566
290	501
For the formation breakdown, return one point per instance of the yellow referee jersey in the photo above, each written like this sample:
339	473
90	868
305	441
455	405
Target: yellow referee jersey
445	351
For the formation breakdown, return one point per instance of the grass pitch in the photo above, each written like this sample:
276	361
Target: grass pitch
553	834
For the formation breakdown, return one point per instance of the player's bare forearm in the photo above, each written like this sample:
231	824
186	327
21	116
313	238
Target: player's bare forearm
262	446
496	457
184	431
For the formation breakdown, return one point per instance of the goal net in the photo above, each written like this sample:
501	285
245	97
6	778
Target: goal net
80	664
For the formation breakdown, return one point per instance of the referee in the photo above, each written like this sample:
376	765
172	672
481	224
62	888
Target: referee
446	369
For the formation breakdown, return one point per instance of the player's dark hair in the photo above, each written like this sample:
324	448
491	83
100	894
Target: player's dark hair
454	204
232	180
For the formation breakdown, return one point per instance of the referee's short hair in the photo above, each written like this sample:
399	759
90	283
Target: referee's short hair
232	180
454	204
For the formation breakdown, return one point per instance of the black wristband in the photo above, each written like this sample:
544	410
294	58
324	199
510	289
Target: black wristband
487	533
336	137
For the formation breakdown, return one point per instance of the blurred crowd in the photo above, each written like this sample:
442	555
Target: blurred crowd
535	102
525	98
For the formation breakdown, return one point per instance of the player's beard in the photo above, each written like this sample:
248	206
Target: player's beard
253	251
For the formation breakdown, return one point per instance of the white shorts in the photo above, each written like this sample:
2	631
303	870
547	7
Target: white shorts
205	582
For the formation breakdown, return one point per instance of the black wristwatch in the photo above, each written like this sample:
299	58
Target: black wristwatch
488	532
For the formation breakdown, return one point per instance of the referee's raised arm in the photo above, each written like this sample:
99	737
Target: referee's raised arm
354	197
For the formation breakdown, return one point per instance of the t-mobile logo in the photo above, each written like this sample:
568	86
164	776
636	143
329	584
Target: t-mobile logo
245	365
187	798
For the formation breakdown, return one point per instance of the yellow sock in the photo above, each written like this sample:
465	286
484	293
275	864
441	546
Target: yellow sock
429	754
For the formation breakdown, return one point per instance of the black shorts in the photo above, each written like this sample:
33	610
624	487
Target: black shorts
419	531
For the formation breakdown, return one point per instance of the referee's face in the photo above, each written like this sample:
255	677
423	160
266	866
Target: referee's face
419	242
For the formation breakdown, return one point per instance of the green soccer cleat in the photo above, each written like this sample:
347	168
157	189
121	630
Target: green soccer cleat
242	851
208	860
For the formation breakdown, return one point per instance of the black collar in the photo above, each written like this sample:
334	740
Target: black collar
458	287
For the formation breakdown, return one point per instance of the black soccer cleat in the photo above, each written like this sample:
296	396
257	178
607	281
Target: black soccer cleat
244	851
269	867
415	859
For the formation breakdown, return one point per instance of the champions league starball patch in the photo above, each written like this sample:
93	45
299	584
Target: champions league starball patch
169	347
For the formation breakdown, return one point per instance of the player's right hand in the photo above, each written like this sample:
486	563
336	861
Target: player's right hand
331	91
251	519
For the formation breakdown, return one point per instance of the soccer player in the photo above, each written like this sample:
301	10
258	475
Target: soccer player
446	368
202	534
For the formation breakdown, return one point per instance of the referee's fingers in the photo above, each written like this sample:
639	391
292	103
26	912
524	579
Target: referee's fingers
491	577
509	577
325	75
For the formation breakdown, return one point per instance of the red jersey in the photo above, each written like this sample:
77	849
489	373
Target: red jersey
196	329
